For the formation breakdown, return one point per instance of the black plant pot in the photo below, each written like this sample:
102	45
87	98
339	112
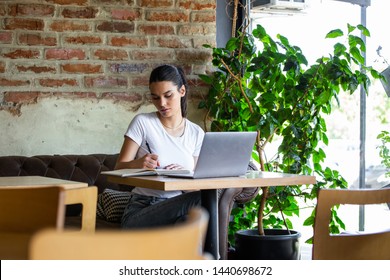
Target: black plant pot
276	244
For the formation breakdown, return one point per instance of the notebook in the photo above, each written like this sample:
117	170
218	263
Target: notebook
143	172
223	154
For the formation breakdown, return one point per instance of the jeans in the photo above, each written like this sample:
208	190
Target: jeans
148	211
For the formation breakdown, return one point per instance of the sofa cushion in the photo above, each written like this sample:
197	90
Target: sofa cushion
111	204
80	168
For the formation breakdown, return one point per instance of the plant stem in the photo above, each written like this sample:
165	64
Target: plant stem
284	219
235	16
238	79
260	213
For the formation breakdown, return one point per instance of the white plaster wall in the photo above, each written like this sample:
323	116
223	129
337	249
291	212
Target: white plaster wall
69	126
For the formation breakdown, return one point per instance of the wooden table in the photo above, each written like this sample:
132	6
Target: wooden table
209	193
76	192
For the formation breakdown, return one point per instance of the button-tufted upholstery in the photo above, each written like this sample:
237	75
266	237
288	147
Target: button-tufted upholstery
80	168
87	168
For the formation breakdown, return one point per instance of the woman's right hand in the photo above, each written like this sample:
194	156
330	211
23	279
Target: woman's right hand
126	158
149	161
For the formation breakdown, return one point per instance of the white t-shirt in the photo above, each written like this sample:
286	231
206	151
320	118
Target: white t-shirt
146	127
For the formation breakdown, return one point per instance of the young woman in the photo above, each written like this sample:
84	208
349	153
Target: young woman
161	139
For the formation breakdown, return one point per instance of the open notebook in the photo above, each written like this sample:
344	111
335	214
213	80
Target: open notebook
223	154
143	172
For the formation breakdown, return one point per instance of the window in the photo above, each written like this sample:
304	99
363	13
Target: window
307	28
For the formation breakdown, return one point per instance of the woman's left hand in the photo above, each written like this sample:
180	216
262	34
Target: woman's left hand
173	166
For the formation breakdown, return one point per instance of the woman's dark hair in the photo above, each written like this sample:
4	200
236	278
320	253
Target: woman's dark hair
170	73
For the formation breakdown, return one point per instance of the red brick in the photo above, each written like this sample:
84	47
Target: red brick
113	2
68	2
204	17
190	30
140	81
156	3
36	69
13	83
37	39
23	23
173	16
129	67
82	68
80	95
92	40
21	97
129	41
84	94
198	5
152	54
83	40
125	14
64	54
111	54
65	25
5	37
3	10
152	29
2	67
57	82
121	27
22	53
87	12
193	55
105	82
122	96
173	43
32	10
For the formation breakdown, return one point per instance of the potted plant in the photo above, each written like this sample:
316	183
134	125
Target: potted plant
384	150
384	153
273	90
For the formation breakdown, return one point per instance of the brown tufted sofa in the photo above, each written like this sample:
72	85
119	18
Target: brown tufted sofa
87	168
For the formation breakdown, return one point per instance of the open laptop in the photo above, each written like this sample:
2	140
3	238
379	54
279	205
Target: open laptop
223	154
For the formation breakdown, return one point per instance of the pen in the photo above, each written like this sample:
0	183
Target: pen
147	146
150	152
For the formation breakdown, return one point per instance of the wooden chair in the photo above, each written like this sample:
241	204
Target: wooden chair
349	246
181	241
23	211
87	197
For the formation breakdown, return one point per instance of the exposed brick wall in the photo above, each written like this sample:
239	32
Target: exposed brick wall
98	48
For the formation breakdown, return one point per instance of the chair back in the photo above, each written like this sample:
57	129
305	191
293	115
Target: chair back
23	211
348	246
87	197
181	241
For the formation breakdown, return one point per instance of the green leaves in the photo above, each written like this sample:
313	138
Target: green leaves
266	84
384	149
334	33
363	29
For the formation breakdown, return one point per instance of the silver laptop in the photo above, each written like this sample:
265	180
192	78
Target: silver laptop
223	154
